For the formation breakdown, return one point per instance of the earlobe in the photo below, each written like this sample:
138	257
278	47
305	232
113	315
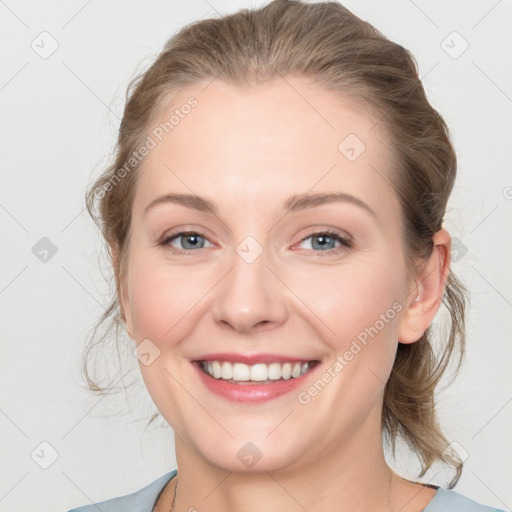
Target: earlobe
428	290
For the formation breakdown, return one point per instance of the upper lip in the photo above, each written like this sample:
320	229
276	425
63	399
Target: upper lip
253	358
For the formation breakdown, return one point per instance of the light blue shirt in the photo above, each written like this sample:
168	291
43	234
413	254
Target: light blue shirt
445	500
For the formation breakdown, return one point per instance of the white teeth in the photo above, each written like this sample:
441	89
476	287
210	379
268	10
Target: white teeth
286	370
217	370
226	371
241	371
259	372
274	371
256	372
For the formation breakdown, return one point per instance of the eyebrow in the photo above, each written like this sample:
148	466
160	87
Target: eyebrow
294	203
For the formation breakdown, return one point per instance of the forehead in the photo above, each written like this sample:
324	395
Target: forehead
253	146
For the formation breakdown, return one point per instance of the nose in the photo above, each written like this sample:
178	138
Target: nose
251	297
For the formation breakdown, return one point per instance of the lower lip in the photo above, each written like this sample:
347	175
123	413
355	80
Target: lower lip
250	393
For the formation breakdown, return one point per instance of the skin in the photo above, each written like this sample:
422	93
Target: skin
248	149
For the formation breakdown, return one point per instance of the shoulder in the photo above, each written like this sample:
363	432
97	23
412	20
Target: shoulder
447	500
140	501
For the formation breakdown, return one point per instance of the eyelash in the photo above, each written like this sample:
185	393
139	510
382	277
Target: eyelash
346	243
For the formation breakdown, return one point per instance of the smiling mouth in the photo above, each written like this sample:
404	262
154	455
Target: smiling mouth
260	373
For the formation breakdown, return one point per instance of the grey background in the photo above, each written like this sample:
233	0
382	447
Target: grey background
60	113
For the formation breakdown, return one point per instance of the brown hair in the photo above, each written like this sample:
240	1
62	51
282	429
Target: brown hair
325	42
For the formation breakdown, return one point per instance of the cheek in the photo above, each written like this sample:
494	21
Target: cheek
163	298
164	302
352	301
357	313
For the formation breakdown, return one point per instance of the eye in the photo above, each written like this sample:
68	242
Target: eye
322	241
325	241
189	240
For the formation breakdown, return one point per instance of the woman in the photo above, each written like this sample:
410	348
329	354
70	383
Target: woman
274	218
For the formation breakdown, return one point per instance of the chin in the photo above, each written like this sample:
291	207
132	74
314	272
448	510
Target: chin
240	455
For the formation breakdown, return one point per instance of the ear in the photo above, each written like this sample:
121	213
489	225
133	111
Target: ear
122	295
426	295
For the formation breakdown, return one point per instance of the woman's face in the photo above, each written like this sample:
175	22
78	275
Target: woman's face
259	280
